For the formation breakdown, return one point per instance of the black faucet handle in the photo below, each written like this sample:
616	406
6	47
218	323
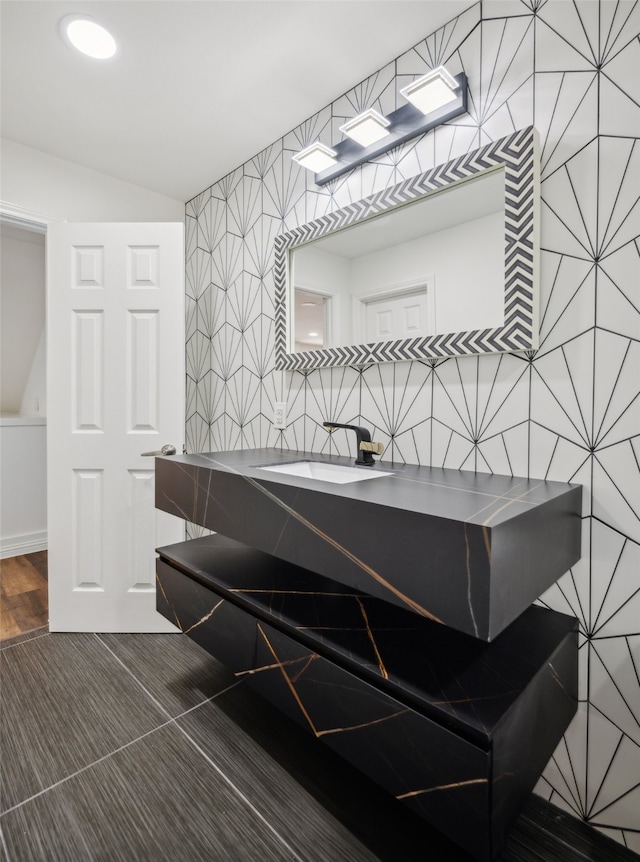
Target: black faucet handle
364	446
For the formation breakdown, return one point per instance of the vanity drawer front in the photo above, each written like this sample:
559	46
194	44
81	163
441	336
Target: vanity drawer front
441	776
218	626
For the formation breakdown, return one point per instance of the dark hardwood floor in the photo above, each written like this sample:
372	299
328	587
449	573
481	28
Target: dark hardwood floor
23	594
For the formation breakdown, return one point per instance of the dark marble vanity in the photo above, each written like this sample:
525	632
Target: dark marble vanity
391	617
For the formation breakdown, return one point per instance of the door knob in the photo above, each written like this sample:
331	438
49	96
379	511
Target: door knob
167	449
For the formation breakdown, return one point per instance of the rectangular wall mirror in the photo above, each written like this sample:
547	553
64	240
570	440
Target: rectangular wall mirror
442	264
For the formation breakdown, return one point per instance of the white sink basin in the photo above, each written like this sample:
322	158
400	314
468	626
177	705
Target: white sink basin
335	473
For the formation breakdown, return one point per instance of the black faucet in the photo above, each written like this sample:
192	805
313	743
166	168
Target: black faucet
365	447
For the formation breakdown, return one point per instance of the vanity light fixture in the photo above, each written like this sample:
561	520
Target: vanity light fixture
431	91
432	99
367	128
87	36
316	157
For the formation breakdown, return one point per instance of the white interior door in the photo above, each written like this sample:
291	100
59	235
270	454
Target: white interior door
397	317
116	389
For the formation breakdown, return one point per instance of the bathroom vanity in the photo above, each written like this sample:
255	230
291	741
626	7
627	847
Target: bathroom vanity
388	610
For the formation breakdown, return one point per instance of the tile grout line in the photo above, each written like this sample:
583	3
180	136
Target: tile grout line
104	757
240	794
138	682
171	720
25	641
3	845
84	768
200	751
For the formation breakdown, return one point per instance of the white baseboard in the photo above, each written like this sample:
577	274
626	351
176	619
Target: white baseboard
29	543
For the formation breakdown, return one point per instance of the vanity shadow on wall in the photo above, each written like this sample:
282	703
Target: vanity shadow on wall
390	617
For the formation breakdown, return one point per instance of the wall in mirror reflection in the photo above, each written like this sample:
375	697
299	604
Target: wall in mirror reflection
432	266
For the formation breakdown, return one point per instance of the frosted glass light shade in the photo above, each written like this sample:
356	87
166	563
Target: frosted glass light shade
431	91
88	37
367	128
316	157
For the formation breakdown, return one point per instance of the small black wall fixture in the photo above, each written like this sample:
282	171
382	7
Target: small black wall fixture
405	123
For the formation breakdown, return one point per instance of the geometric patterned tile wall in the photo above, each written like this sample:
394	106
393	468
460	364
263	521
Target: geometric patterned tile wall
568	411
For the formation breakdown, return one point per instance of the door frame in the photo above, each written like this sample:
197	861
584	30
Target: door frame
26	218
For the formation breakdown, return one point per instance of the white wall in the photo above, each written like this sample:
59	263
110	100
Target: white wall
22	319
23	499
467	265
34	398
40	183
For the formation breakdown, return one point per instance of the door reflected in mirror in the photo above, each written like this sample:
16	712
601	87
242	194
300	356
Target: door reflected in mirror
433	266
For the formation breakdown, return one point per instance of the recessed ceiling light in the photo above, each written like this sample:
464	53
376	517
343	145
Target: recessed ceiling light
313	335
308	304
88	37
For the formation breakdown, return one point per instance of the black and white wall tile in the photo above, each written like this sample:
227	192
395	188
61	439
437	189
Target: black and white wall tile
569	411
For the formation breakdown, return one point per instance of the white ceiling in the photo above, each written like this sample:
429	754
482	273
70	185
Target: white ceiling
199	86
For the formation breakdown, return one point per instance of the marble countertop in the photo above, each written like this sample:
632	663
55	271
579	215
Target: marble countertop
476	498
470	550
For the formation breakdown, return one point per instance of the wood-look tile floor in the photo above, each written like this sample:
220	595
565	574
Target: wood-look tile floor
23	594
142	747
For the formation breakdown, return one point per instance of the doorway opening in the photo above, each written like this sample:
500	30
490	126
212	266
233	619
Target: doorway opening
23	428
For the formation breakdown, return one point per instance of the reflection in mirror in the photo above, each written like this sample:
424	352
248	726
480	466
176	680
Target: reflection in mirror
433	266
442	264
312	330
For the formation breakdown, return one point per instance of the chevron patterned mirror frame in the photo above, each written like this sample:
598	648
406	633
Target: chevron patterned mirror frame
518	155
